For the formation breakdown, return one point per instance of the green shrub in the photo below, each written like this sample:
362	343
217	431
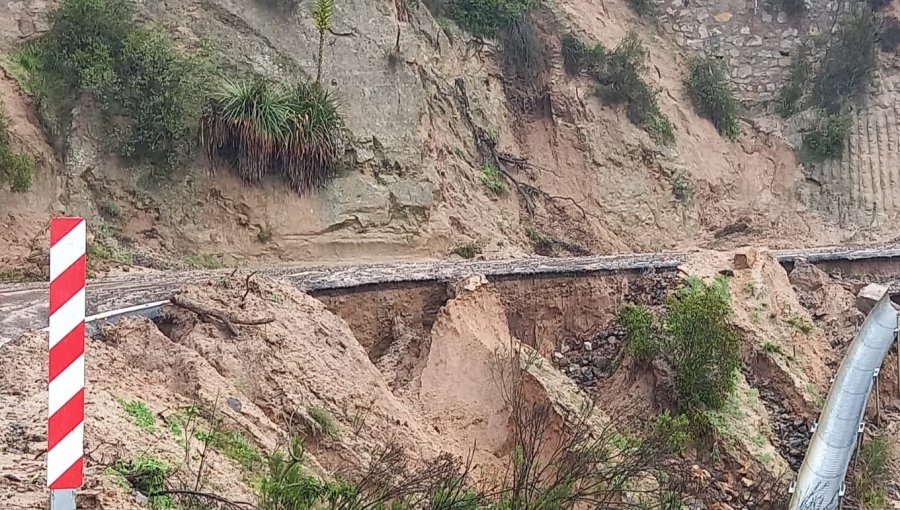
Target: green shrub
148	475
849	62
492	177
826	138
642	339
701	346
468	250
578	57
524	54
791	94
328	425
710	91
486	18
620	81
150	94
16	170
674	430
644	8
257	127
873	472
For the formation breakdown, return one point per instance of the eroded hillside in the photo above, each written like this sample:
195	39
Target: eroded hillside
213	389
428	106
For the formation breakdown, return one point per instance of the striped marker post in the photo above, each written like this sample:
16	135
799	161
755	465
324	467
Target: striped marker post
65	427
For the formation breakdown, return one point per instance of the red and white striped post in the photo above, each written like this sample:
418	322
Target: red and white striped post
65	427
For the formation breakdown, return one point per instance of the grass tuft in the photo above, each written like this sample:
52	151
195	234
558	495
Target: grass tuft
16	169
140	414
325	420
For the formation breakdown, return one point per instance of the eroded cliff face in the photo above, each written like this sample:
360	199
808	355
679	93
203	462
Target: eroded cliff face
414	97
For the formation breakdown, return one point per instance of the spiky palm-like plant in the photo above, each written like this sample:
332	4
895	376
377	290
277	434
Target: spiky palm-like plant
245	124
322	17
256	126
315	141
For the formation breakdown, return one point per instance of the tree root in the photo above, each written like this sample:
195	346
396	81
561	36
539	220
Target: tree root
226	318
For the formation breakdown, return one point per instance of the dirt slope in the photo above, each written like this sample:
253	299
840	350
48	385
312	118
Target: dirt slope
415	187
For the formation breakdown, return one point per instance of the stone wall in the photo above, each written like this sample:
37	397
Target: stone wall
754	37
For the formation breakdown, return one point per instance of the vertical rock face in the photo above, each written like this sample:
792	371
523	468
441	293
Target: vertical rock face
755	39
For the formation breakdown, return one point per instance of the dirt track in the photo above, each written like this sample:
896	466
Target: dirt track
24	306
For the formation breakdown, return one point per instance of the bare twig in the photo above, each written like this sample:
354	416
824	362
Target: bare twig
240	505
247	287
226	318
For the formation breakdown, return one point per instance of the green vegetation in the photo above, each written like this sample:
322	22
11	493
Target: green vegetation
468	250
147	475
524	54
486	18
492	177
675	429
826	138
16	275
16	170
644	8
258	127
701	346
872	473
642	339
772	348
326	422
621	83
848	65
682	187
791	94
322	14
205	261
140	413
106	248
799	324
150	94
578	57
710	91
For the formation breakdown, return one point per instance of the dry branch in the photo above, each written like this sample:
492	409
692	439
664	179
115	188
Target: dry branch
229	319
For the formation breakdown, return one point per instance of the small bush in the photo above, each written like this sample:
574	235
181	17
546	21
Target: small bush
486	18
826	139
791	94
524	54
16	170
468	250
147	475
492	177
621	82
328	425
578	57
150	93
643	8
642	340
849	63
258	127
889	36
710	91
792	7
675	430
701	346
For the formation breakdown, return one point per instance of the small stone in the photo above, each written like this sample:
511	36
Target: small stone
558	356
734	52
234	404
784	62
723	17
782	17
704	32
755	41
745	71
745	30
747	482
611	340
766	17
588	346
770	87
565	347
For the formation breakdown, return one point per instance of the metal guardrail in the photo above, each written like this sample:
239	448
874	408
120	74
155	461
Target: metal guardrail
820	482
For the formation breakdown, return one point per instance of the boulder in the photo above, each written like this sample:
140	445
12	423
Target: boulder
868	296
